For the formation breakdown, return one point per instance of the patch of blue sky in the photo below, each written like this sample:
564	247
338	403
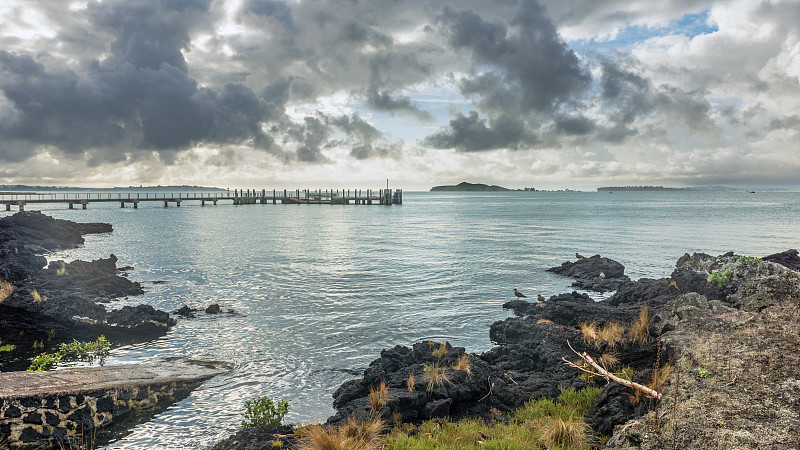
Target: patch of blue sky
689	25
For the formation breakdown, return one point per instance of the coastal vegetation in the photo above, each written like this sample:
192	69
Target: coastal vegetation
720	277
72	352
263	412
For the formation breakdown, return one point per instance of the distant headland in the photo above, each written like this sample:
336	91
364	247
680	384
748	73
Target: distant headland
690	188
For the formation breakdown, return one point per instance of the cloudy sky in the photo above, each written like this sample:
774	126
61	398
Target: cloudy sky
348	93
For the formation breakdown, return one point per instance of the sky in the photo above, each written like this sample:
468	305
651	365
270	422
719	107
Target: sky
349	93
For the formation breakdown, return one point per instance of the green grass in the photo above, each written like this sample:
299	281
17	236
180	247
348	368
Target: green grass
7	348
534	426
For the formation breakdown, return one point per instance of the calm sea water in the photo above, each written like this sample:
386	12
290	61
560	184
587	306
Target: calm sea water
318	291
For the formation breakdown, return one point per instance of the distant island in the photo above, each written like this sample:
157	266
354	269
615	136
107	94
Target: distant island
690	188
469	187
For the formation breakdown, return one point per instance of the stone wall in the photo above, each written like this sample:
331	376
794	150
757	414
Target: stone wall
29	422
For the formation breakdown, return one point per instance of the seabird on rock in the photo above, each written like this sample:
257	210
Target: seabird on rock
602	275
540	298
578	256
519	294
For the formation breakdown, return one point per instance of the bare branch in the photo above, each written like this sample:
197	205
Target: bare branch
601	372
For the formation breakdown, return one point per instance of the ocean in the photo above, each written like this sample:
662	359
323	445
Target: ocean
318	290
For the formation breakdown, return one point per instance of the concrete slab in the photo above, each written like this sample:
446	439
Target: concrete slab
90	379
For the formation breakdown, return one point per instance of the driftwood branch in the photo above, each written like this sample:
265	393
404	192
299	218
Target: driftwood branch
602	372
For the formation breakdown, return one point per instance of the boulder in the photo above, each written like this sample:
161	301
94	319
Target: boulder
595	273
789	259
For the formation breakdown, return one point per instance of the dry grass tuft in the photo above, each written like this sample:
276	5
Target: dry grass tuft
437	376
6	289
660	377
589	330
410	383
378	396
37	298
639	327
611	333
441	351
570	433
353	435
464	364
657	382
547	321
609	360
61	271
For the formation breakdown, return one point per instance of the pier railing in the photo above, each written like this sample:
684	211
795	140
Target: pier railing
237	197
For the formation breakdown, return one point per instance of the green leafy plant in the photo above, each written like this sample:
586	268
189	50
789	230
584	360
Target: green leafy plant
748	259
720	278
7	347
84	351
262	412
73	351
44	361
703	372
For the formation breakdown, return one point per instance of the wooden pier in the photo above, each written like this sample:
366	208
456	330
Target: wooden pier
237	197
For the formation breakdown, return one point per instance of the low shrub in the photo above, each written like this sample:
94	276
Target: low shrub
262	412
720	278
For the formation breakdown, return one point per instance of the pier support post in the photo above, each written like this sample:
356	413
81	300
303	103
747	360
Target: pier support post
135	205
273	196
165	204
178	204
215	203
84	205
202	203
22	206
71	205
8	206
122	204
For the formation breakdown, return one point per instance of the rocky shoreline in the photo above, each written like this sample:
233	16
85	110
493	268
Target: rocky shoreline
693	314
64	300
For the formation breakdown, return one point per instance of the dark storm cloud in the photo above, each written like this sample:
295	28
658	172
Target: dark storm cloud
578	125
139	98
521	69
471	134
318	133
528	55
382	101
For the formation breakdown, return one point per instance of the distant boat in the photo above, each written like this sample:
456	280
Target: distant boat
751	192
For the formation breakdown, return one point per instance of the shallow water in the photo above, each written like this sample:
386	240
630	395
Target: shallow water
319	290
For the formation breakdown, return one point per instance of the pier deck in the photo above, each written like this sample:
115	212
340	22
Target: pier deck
237	197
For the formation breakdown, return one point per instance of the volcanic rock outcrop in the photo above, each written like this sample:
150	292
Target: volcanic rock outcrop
64	298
